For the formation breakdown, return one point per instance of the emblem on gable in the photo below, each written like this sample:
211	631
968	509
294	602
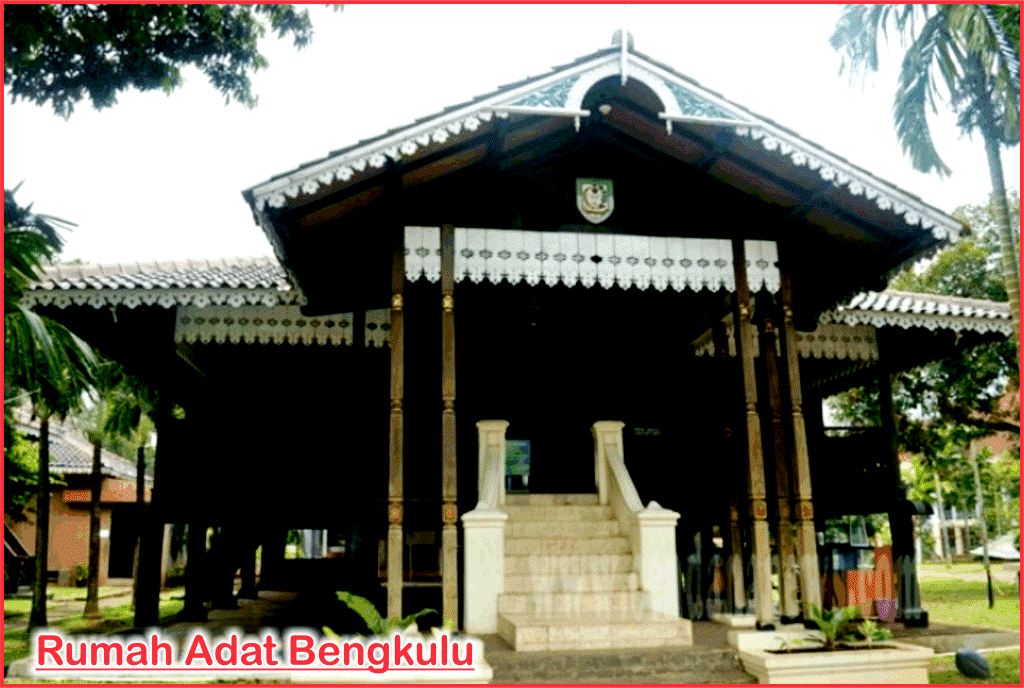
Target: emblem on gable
594	198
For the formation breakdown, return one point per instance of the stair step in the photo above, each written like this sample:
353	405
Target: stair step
563	603
563	581
591	512
574	563
562	528
550	499
612	629
566	545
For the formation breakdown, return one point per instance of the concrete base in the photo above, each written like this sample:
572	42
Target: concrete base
735	620
894	663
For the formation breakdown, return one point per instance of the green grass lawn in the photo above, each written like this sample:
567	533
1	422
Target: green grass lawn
965	603
115	619
1005	665
14	607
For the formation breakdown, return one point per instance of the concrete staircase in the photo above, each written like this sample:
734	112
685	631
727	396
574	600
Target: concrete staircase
570	583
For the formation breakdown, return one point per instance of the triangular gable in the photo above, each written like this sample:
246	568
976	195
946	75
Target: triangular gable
560	93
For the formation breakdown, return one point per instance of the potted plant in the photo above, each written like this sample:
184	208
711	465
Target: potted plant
842	651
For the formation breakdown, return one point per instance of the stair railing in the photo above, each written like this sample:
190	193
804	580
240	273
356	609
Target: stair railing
484	533
651	530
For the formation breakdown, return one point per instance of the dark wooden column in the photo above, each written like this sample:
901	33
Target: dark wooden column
195	573
734	487
800	466
449	532
783	526
396	430
755	459
908	592
151	539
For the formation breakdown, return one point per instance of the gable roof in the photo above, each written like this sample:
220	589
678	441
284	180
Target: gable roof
687	106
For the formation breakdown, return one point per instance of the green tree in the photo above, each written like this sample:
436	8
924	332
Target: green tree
60	54
45	361
965	55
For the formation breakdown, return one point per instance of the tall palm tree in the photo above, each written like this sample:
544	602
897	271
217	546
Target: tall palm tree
49	364
966	55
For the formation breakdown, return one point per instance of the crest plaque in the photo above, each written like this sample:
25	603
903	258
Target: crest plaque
594	198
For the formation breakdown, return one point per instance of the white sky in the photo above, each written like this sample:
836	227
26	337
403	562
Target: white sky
160	177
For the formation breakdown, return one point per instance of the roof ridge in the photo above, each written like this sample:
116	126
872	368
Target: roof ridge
62	272
965	300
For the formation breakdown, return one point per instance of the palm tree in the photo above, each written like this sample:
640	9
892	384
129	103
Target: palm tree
968	55
46	361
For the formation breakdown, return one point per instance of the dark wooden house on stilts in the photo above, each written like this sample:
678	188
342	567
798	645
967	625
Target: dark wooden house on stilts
646	285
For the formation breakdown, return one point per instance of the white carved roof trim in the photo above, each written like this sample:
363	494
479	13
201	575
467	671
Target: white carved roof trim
914	210
801	152
58	272
931	311
391	145
167	298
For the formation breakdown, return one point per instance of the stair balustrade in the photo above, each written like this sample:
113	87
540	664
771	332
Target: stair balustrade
484	533
651	530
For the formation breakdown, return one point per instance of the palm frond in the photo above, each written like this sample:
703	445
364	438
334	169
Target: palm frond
932	54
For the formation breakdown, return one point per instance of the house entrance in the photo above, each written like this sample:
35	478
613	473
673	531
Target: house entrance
124	533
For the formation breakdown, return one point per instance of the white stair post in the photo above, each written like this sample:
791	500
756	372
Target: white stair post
484	533
658	568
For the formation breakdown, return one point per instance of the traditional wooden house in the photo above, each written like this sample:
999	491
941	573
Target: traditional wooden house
648	283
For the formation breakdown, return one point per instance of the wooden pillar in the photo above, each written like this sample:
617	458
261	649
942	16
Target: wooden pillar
901	523
147	584
755	460
396	430
449	532
195	573
783	526
733	488
800	466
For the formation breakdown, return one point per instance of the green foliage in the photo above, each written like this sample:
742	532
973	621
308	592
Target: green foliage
834	623
375	623
60	54
873	632
960	56
21	466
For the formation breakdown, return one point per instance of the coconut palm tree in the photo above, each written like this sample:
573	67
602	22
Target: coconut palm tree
965	55
50	366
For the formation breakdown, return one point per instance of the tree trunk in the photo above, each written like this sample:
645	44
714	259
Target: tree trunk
941	516
1007	244
37	617
983	525
140	508
92	595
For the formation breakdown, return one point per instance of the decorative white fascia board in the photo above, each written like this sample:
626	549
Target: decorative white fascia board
571	258
372	156
277	324
928	321
167	298
561	93
832	341
831	169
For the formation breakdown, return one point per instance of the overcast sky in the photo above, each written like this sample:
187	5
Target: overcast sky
160	176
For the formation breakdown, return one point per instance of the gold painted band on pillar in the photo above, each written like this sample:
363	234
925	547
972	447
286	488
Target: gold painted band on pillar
396	301
783	510
448	303
395	513
449	514
759	509
805	510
